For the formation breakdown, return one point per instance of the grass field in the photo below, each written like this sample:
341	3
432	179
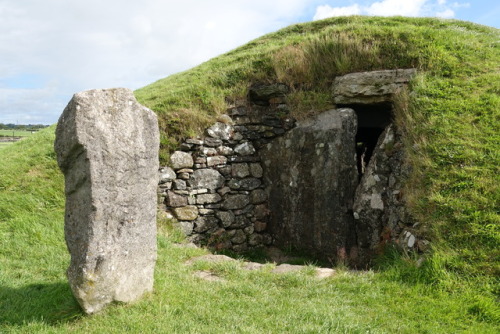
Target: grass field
15	133
451	122
35	296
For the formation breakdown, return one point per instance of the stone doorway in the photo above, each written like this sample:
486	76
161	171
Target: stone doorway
329	186
372	120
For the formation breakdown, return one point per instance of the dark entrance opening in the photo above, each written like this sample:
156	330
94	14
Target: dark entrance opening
372	120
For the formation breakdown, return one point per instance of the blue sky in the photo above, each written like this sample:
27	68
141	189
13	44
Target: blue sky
51	49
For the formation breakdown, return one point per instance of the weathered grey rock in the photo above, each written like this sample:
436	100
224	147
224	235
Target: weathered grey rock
208	198
258	196
287	268
240	170
193	141
188	212
207	178
233	202
213	142
180	160
379	209
205	212
207	151
240	221
107	147
252	265
221	131
224	150
256	170
203	224
249	230
245	211
250	183
216	161
245	149
180	184
244	184
167	174
210	258
226	217
239	237
312	183
187	227
174	200
223	191
370	87
261	94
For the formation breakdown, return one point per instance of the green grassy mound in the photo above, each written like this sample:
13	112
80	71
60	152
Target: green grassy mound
451	125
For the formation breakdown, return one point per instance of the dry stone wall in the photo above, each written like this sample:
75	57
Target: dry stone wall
214	186
331	186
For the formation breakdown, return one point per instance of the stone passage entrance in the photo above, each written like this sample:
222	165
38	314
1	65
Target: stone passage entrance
329	186
332	182
372	120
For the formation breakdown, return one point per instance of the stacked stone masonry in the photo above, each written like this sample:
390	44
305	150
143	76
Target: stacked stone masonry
214	187
258	177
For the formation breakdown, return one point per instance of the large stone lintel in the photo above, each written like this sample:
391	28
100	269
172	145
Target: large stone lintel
370	87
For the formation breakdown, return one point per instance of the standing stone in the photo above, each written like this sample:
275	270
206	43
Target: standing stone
379	208
311	198
107	147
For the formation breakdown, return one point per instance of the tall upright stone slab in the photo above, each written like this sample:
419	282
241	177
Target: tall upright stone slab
379	204
311	176
107	147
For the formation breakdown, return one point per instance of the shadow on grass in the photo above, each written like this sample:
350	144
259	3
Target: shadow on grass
50	304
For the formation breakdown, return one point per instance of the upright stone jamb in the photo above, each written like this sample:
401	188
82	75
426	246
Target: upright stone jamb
311	177
107	147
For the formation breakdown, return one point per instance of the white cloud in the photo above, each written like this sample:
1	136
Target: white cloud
74	45
16	105
439	8
325	11
396	7
457	5
446	14
99	44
